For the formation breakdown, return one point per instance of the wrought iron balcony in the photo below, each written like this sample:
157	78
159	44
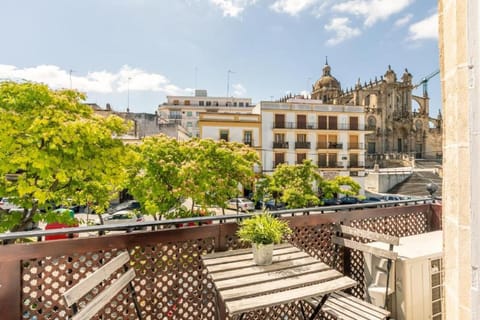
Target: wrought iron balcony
302	145
280	145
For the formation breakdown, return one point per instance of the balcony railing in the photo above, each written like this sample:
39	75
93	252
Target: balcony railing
357	164
359	146
316	126
171	281
302	145
329	145
280	145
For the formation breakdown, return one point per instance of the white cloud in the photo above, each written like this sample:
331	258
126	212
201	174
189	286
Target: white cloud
127	78
239	90
424	29
232	8
342	30
403	21
372	10
292	7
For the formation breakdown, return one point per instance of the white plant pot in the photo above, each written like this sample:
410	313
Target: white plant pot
262	253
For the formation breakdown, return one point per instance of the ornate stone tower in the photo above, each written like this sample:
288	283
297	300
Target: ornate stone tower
327	88
397	127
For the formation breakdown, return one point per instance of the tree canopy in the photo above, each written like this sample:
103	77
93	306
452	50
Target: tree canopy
340	184
55	150
167	172
291	184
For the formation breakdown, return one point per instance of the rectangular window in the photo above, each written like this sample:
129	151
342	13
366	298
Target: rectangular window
209	103
301	137
247	137
224	135
240	104
176	102
332	122
189	124
322	160
353	123
235	104
279	158
189	113
322	141
301	157
279	137
322	122
186	102
301	121
246	104
279	121
201	103
332	160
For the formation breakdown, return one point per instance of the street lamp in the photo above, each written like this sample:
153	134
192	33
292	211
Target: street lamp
432	188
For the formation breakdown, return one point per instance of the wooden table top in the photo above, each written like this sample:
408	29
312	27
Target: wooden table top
293	275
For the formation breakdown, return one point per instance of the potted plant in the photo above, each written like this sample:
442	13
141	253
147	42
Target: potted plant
263	231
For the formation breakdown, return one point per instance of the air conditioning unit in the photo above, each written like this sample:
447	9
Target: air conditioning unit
416	278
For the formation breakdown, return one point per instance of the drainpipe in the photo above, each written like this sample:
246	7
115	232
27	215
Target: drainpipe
473	34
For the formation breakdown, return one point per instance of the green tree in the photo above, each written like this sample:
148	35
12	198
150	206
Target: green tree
166	172
154	177
214	170
55	150
294	184
340	184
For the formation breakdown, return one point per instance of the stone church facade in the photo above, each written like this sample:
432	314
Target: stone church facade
399	121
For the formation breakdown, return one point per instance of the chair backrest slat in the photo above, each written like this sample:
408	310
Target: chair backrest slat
72	295
387	254
369	235
105	296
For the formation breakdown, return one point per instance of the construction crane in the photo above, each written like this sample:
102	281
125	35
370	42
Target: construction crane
424	82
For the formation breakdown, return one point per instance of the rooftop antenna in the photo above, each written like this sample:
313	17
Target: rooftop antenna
70	76
228	80
326	60
128	94
196	72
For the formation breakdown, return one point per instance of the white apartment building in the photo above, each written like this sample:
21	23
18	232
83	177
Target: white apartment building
332	136
185	110
233	127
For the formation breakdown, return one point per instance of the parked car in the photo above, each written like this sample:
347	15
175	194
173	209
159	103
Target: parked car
349	200
5	204
59	225
127	205
330	202
122	216
390	197
270	205
243	204
370	200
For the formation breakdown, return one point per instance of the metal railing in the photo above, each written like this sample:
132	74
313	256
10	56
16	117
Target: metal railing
316	126
171	281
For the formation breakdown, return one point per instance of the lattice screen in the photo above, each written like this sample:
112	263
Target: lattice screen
171	282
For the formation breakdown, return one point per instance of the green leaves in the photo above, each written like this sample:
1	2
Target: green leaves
62	151
263	229
166	172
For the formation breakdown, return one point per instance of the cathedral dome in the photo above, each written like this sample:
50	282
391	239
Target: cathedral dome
327	80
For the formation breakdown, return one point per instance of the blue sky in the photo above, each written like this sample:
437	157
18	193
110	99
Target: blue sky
138	51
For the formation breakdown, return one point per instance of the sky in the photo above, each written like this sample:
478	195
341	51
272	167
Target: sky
133	53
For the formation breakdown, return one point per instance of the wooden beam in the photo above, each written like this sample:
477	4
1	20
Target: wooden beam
365	248
76	292
375	236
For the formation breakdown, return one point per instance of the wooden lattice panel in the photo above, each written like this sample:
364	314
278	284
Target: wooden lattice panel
171	282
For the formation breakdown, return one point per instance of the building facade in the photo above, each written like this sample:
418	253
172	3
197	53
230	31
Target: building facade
185	110
332	136
233	127
399	121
